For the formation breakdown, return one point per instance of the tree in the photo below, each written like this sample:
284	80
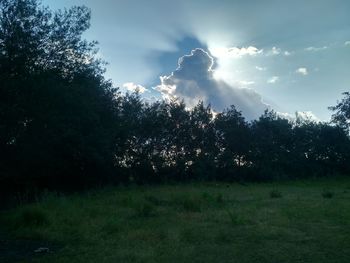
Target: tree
58	115
272	141
202	143
233	138
341	116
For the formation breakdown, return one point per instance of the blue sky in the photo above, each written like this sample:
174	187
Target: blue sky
287	55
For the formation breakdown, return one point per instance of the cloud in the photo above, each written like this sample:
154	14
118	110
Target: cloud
132	87
307	116
347	43
315	49
273	79
260	68
304	116
274	51
302	71
235	52
194	80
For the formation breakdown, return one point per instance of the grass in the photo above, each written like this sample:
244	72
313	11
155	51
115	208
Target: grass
275	193
327	193
190	223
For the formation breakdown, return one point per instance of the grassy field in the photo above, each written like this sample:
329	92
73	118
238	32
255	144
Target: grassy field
299	221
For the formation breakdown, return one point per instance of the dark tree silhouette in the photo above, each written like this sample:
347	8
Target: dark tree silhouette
57	112
271	146
63	125
234	142
341	116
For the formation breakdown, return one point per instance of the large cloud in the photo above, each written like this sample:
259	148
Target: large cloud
194	80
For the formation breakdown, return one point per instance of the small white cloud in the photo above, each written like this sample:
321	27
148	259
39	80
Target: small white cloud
132	87
260	68
274	51
347	43
273	79
235	52
302	71
315	49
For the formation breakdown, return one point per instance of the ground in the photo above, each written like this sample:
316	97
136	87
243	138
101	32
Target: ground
294	221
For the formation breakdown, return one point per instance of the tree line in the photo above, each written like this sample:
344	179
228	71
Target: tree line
64	126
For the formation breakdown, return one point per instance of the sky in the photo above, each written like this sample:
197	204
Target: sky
290	56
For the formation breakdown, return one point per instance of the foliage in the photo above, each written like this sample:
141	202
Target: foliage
64	126
341	116
57	113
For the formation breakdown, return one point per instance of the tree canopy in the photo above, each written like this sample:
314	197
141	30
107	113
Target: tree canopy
63	125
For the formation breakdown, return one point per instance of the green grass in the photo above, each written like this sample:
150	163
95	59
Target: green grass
191	223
